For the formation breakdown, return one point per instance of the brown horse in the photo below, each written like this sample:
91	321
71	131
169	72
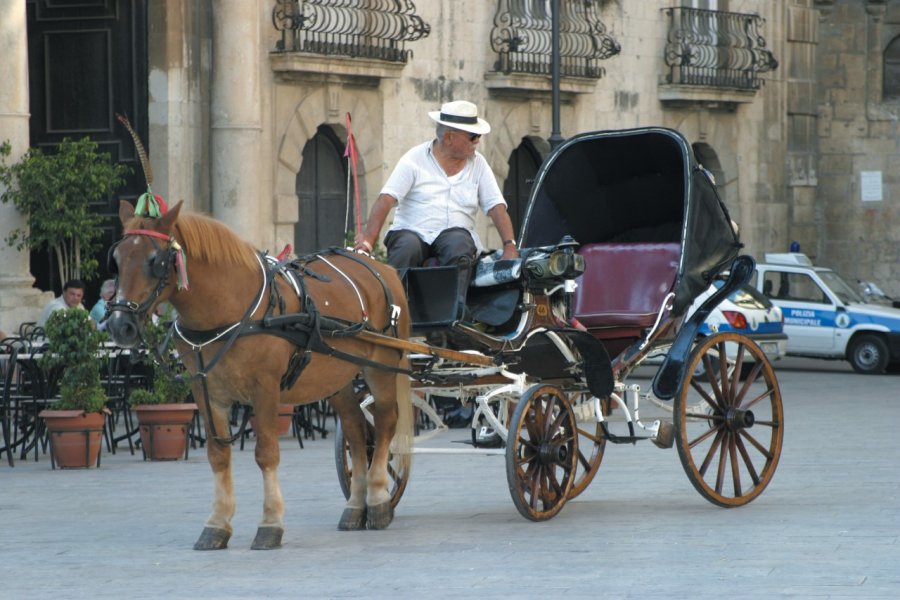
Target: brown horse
226	299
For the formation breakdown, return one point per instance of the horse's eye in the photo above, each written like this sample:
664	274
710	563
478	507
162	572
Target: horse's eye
158	264
150	264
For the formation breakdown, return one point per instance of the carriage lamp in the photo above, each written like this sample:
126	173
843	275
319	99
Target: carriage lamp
565	264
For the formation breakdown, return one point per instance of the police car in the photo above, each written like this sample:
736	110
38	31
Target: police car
744	311
825	317
748	312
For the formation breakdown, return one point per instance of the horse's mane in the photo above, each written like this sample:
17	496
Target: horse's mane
205	239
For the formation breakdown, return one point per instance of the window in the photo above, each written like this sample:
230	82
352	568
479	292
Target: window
891	83
793	286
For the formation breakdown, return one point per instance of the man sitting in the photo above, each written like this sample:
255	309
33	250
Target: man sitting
73	293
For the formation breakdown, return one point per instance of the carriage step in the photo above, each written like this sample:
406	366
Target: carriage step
665	435
626	439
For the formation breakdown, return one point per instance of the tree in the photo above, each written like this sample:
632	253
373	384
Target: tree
55	192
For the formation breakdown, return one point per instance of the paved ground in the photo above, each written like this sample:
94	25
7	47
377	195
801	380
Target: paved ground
827	527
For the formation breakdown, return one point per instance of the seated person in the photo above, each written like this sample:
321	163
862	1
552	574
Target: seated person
107	291
438	187
73	293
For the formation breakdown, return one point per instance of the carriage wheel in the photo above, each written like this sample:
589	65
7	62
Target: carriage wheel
729	428
591	442
541	452
399	475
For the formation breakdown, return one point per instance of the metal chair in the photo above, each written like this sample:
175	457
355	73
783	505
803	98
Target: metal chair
9	355
118	382
38	388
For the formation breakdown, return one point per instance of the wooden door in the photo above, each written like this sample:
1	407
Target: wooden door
322	194
87	61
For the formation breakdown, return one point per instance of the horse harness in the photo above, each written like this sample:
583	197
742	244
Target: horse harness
306	330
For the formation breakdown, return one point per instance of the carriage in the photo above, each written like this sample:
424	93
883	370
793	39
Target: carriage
623	231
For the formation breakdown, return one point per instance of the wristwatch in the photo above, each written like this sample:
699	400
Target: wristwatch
508	242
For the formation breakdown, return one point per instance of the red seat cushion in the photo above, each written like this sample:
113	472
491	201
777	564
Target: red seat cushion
624	285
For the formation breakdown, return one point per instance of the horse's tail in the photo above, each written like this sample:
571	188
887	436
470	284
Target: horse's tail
403	439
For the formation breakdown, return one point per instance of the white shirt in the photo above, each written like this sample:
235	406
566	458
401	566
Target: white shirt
58	303
428	201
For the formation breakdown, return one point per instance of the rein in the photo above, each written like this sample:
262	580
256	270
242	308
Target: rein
306	330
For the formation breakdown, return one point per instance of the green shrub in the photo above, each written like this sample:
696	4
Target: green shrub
74	347
170	383
54	192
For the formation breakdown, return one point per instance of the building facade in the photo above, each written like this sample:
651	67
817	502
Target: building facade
248	107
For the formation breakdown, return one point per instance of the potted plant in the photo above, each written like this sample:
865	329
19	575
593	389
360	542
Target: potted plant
75	421
163	411
55	192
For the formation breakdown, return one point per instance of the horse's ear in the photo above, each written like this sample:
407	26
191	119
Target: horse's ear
126	211
168	219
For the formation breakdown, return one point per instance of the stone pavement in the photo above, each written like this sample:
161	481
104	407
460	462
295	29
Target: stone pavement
827	527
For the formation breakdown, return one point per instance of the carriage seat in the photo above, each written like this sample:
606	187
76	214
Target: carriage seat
624	285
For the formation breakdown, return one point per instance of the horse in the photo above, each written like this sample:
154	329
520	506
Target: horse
233	353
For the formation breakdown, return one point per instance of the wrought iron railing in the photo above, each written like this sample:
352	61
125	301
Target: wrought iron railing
522	38
359	28
716	48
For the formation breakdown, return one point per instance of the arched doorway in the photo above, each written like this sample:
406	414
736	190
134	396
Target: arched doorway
524	163
322	194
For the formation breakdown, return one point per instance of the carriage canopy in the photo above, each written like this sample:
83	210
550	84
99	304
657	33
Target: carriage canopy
634	186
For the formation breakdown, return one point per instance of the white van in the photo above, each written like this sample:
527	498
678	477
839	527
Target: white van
825	317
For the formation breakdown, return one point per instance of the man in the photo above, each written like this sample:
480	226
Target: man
438	187
107	291
73	293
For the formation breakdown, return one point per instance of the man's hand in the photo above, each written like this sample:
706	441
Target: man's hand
509	251
361	243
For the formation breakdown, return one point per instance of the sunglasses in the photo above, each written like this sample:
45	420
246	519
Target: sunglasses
472	136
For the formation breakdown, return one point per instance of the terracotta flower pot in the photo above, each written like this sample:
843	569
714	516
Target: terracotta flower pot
75	437
164	429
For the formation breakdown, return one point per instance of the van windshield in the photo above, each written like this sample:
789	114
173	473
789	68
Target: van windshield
840	287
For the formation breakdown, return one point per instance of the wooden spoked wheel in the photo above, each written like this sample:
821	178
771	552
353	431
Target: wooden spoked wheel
397	472
591	442
729	427
541	452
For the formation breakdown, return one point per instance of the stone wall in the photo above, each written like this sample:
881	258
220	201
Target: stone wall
857	133
229	118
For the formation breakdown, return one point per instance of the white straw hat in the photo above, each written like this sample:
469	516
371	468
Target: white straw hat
461	114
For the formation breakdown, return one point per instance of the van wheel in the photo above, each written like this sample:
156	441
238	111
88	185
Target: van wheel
868	354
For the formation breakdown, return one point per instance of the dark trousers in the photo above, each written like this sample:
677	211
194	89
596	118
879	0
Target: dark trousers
453	246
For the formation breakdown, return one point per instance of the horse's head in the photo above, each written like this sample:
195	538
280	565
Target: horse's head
144	264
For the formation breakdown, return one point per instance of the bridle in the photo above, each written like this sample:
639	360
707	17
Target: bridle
160	266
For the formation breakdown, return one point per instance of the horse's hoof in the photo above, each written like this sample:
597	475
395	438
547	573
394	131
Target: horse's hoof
213	538
267	538
380	515
353	519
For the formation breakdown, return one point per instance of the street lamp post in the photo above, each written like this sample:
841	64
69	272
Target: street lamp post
555	137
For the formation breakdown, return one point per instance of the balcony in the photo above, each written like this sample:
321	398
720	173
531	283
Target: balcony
714	57
522	39
356	39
